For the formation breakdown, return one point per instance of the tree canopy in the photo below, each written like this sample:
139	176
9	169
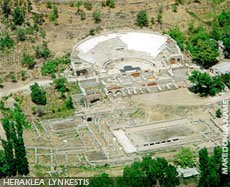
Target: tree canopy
204	84
185	158
142	19
38	95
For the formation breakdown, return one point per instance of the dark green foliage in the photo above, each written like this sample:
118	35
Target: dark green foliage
69	103
97	16
102	180
6	42
60	85
204	50
42	51
218	113
6	10
211	168
226	79
205	53
13	158
28	61
51	67
3	165
224	22
18	16
142	19
88	5
177	35
110	3
215	33
148	172
38	95
204	84
185	158
224	18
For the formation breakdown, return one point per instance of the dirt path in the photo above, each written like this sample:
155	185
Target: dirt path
13	88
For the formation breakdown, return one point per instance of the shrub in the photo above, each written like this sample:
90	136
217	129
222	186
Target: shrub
42	51
177	35
53	14
60	85
6	42
69	103
97	16
21	36
38	95
51	67
18	16
110	3
88	5
218	113
28	61
142	19
49	4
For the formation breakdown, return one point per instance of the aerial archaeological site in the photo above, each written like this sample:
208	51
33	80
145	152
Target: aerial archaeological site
115	93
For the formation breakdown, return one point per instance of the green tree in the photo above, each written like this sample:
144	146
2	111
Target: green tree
224	18
177	35
61	84
226	79
204	84
133	176
205	53
28	61
185	158
149	172
203	166
18	16
215	33
170	178
38	95
3	165
142	19
101	180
